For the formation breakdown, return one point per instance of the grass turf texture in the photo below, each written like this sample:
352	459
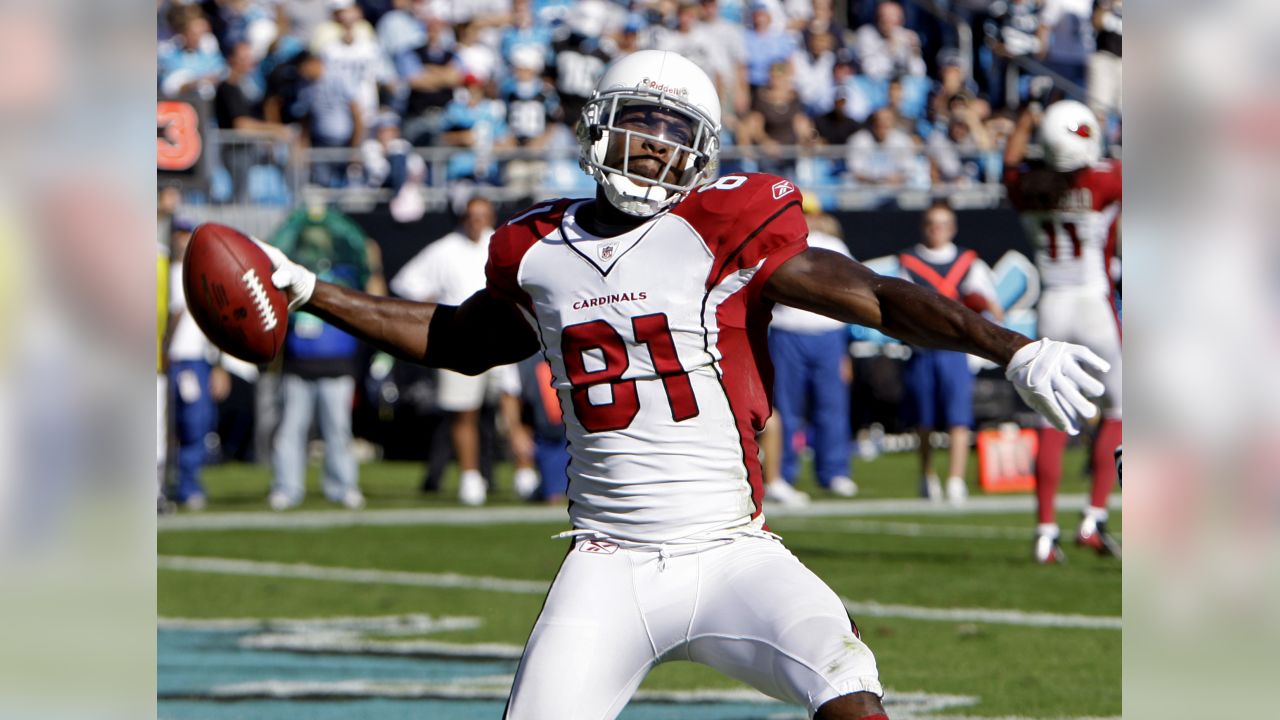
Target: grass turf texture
1015	670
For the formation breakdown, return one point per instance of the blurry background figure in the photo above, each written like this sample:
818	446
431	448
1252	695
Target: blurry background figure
959	148
329	105
238	107
1013	28
476	122
881	153
190	62
1104	70
389	162
886	48
579	55
777	118
195	385
320	360
812	372
449	271
550	451
766	45
533	109
938	383
162	365
1071	206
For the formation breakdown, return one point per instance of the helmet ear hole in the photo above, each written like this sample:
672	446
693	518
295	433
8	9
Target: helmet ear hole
597	133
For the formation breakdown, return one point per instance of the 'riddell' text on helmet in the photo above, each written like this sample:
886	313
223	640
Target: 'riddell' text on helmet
1071	135
669	85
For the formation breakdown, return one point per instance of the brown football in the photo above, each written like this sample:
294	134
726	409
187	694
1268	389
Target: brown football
227	279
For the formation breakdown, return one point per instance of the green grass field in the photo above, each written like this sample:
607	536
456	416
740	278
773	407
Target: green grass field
962	562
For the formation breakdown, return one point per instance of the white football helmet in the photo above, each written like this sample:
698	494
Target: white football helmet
1071	135
663	99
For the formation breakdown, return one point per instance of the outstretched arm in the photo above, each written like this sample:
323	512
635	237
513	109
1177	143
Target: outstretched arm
1050	376
831	284
469	338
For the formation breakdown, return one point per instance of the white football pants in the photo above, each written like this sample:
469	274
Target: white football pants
1086	318
747	608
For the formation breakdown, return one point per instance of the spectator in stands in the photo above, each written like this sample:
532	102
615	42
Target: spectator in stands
952	82
814	70
190	61
448	271
1000	126
777	119
237	21
388	159
400	31
881	154
766	46
235	110
836	127
1103	80
579	55
938	383
959	153
1071	40
533	109
1013	29
860	99
331	109
320	360
349	47
432	74
689	39
812	371
886	48
731	63
634	35
525	30
281	103
474	58
907	110
476	121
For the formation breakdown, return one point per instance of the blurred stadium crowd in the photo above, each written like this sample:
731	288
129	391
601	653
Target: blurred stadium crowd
838	94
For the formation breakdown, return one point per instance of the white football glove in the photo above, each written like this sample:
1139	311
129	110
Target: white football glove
296	281
1052	378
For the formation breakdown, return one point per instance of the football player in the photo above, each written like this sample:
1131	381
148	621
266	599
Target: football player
1070	205
650	303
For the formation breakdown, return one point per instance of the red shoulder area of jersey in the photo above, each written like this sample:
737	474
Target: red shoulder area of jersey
1104	181
745	218
513	239
736	199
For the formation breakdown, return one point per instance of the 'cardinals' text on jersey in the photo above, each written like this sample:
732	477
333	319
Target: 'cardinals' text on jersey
1074	239
657	342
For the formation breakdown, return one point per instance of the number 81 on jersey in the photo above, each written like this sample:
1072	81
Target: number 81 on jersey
652	331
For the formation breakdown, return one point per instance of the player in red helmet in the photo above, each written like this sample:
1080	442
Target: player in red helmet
1070	205
650	303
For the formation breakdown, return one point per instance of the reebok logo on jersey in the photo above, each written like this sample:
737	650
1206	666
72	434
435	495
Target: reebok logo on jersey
598	547
782	189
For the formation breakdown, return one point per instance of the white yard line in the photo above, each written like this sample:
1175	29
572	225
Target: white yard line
525	514
982	615
302	571
904	529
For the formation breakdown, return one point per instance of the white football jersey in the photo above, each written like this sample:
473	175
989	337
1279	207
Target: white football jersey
1075	241
657	342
